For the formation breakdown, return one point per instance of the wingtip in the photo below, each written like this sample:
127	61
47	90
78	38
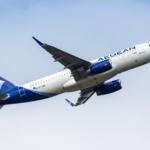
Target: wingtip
71	103
38	41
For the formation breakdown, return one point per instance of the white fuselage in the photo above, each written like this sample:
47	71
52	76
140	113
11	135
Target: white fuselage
121	61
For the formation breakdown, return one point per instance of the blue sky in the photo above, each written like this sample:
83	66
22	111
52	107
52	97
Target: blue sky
88	29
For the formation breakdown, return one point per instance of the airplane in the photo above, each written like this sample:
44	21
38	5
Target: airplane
87	76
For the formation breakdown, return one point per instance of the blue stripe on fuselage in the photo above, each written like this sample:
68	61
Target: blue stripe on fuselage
28	96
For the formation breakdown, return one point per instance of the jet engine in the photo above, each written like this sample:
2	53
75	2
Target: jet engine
109	87
99	67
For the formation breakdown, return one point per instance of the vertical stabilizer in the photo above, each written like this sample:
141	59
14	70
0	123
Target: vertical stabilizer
5	85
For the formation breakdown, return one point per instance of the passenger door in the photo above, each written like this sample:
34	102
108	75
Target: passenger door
21	91
141	50
142	55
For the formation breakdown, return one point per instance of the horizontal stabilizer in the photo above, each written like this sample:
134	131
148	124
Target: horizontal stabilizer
38	41
1	106
4	96
71	103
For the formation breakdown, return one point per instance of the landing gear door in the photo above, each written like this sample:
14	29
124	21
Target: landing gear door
21	91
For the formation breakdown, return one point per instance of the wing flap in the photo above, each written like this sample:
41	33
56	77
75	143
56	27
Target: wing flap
83	98
65	58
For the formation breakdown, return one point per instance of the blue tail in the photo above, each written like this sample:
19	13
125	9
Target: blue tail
5	85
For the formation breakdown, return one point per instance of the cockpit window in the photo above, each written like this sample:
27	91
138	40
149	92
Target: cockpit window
149	45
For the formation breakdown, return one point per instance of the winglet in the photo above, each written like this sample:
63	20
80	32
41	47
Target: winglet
39	42
71	103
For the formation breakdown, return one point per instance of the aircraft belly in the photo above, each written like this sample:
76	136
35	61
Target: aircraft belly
92	80
71	85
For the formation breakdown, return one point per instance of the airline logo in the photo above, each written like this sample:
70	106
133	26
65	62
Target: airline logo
117	53
35	88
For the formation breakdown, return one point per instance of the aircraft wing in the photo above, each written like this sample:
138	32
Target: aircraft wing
82	99
85	95
75	64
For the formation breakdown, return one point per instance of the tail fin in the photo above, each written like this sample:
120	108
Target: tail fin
5	85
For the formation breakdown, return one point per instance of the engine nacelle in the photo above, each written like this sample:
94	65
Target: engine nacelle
109	87
99	67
